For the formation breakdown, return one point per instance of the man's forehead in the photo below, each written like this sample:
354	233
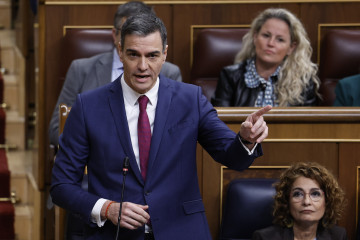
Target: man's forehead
152	39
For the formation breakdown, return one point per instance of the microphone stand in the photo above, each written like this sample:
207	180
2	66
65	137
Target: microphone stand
125	170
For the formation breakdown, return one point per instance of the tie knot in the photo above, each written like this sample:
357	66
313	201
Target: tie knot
143	101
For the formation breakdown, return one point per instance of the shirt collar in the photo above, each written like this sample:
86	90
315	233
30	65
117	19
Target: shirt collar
116	60
131	97
252	78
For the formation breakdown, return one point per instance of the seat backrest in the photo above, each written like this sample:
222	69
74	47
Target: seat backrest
83	43
64	111
248	207
339	58
214	48
2	112
1	87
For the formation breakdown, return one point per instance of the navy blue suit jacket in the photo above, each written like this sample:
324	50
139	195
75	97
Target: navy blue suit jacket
96	134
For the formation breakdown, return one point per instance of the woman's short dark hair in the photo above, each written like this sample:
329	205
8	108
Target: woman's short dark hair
334	195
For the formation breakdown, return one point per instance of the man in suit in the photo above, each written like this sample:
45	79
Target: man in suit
347	92
89	73
106	127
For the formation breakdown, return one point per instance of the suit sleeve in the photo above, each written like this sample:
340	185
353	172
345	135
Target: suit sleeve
340	92
221	142
70	162
176	74
67	96
171	71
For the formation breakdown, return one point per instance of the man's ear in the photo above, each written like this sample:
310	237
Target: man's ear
113	33
119	50
165	53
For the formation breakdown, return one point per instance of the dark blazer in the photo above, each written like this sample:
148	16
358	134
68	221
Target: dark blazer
231	90
96	134
282	233
347	92
90	73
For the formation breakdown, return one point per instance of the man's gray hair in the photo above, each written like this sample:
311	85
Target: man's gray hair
142	25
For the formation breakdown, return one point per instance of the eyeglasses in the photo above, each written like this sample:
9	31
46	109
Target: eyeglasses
315	195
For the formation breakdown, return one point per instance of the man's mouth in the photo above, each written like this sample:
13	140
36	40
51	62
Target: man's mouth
142	77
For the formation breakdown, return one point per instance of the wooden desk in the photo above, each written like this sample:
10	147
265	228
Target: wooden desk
330	136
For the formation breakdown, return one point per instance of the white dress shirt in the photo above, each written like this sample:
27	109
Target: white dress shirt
117	66
132	114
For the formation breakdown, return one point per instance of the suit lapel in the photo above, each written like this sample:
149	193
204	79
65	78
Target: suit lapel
162	109
116	102
104	69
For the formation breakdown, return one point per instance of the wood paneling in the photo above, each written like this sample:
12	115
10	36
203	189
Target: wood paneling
329	136
348	164
335	145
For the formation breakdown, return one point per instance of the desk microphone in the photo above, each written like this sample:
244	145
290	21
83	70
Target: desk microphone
125	170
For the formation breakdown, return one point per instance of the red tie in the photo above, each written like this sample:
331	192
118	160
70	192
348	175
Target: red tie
144	135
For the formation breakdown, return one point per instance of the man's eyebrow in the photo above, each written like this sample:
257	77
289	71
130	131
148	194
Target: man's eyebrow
154	52
130	50
134	51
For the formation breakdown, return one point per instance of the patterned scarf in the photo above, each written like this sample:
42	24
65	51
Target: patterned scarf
253	80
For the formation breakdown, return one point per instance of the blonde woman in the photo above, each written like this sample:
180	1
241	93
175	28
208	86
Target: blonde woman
273	67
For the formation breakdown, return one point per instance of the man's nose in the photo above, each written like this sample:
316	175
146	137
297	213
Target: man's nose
142	64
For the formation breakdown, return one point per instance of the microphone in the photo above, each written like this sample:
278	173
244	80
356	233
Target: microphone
125	170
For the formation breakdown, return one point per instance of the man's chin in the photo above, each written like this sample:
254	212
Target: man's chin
142	88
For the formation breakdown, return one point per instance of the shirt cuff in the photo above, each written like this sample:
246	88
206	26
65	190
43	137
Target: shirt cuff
95	212
250	152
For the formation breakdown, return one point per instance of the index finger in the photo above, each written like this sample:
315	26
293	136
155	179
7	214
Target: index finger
262	111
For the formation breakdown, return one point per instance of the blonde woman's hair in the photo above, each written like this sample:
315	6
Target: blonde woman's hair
297	69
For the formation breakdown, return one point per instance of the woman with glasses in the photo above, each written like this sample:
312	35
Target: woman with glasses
308	203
